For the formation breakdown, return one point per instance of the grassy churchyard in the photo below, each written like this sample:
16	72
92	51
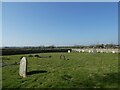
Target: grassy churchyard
78	70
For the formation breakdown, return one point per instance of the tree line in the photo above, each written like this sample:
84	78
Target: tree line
52	48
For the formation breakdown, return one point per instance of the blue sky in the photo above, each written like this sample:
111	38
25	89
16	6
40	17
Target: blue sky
35	24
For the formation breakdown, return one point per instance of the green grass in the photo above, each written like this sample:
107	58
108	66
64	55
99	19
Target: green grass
79	70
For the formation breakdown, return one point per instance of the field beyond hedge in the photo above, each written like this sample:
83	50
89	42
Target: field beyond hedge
78	70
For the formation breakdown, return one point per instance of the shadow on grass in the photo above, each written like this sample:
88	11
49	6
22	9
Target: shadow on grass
36	72
108	80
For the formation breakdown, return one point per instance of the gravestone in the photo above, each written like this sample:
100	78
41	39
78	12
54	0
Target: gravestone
97	51
23	67
68	51
101	51
89	51
113	51
83	51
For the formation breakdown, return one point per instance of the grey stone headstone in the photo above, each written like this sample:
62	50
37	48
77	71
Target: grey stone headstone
23	67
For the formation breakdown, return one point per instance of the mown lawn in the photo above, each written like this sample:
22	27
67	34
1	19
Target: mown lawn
78	70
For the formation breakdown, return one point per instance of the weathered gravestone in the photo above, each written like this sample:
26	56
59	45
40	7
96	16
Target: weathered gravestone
23	67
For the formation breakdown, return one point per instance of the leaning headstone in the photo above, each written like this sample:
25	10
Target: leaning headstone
23	67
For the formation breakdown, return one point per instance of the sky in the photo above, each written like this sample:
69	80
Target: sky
59	23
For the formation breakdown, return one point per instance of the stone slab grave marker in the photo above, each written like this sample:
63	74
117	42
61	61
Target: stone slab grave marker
23	67
68	51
